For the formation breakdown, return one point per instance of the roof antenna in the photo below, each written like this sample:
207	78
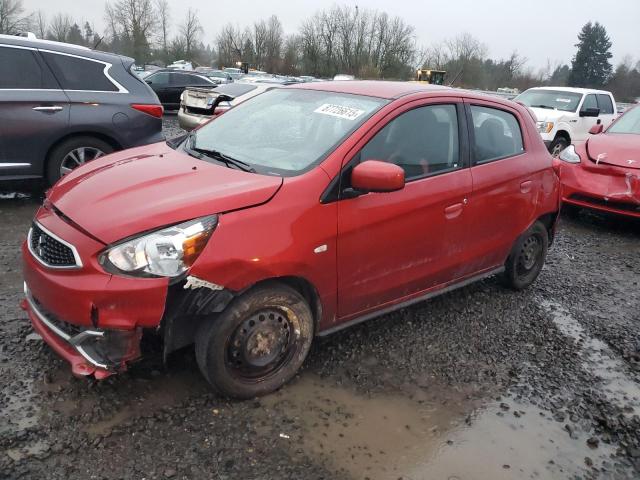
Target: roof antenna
456	77
98	43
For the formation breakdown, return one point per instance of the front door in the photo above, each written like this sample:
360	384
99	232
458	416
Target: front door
34	111
584	124
395	245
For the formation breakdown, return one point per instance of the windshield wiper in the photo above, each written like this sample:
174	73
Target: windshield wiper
543	106
219	156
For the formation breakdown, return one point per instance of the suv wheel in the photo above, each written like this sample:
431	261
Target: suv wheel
527	257
558	145
72	153
257	344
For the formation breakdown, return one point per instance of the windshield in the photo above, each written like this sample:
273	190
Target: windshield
285	132
627	123
551	99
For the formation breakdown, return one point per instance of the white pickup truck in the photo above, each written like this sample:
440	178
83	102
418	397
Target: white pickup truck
565	115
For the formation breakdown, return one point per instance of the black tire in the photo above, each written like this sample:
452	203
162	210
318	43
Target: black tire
527	257
241	359
558	145
60	152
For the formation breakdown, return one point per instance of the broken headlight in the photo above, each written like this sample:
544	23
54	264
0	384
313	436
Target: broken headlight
165	253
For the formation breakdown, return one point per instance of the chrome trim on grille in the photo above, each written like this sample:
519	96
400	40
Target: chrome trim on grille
74	341
76	255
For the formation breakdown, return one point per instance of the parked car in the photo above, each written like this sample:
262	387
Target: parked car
235	73
566	115
169	85
217	76
603	173
298	213
181	65
199	105
342	77
62	105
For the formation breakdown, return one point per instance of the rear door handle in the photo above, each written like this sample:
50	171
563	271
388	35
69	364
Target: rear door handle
452	211
525	187
50	108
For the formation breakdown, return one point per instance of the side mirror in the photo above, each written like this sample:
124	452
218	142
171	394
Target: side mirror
149	82
596	129
376	176
590	112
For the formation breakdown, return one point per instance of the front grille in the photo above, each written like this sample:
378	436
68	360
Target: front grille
614	204
198	111
65	327
50	250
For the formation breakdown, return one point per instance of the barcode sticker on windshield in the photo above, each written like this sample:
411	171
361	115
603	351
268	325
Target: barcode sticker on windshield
563	100
338	111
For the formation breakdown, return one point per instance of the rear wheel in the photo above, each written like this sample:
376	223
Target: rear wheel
257	344
72	153
527	257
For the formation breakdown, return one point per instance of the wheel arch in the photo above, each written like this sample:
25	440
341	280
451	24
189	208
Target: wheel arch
563	133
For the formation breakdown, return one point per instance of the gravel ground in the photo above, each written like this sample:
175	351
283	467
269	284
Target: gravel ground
481	383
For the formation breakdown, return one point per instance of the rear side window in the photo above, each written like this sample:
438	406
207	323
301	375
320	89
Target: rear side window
78	73
159	78
181	79
497	134
605	104
25	72
423	141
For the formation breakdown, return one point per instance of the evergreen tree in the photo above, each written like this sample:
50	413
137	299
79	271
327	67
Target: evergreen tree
590	66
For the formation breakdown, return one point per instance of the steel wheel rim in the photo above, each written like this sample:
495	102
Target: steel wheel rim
78	156
529	255
557	149
262	344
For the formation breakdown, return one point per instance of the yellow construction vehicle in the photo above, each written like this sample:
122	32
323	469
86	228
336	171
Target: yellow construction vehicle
435	77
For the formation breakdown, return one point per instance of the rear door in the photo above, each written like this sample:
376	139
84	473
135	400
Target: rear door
34	111
395	245
505	182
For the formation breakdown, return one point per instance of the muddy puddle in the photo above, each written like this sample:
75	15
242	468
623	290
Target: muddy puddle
598	359
444	436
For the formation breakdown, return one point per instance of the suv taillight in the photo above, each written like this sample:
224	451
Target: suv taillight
153	110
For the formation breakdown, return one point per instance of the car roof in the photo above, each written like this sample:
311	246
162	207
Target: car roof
372	88
571	89
60	47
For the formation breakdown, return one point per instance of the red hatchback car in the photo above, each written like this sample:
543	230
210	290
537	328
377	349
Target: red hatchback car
604	172
295	214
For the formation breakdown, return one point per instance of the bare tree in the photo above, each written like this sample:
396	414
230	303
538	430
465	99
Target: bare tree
135	22
60	27
190	31
12	17
40	24
230	42
162	7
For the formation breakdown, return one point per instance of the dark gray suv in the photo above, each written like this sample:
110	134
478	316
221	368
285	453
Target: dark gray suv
62	105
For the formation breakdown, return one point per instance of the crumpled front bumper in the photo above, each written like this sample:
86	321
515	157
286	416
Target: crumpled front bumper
95	351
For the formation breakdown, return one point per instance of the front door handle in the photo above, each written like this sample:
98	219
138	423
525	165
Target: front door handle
525	187
453	211
49	109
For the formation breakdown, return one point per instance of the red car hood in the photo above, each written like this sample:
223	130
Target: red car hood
149	187
621	150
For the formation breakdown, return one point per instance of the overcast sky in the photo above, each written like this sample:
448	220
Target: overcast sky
537	29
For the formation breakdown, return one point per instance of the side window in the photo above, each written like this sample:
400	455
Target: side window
160	79
78	73
605	104
589	102
497	134
422	141
25	71
179	79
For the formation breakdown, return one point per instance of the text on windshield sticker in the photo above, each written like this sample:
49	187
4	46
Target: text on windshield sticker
339	111
563	100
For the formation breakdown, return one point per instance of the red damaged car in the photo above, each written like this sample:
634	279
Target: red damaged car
604	172
295	214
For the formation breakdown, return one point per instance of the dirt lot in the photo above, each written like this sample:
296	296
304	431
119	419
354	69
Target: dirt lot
482	383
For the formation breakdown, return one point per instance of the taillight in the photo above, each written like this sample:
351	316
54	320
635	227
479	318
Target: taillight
220	110
153	110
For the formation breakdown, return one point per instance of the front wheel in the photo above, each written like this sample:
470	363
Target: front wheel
557	146
257	344
72	153
527	257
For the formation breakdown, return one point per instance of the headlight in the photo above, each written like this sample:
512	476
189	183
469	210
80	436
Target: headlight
544	127
569	155
165	253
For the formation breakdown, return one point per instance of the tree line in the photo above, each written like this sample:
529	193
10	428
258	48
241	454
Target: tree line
343	39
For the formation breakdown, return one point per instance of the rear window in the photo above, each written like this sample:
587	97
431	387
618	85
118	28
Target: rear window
76	73
605	104
235	89
25	72
496	134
